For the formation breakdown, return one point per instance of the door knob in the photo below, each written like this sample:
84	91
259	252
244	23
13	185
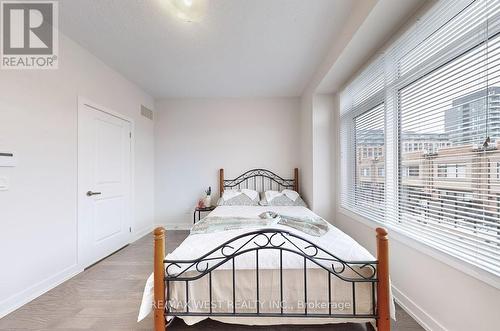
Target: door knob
90	193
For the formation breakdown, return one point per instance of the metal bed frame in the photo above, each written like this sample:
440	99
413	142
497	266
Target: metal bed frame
374	272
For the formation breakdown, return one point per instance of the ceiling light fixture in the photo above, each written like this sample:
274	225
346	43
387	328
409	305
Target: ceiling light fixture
187	10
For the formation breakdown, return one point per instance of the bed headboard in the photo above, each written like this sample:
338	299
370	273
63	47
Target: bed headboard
260	180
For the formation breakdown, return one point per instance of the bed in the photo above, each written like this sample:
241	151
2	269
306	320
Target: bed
268	273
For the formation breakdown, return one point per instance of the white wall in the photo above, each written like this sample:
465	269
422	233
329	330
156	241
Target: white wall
306	149
196	137
38	122
317	152
322	153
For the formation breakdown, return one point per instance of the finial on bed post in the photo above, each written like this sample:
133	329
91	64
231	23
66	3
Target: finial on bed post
384	319
296	179
159	279
221	181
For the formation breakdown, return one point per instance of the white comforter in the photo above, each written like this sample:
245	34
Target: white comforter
196	245
335	241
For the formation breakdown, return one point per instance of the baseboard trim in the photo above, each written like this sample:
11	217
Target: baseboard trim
416	312
18	300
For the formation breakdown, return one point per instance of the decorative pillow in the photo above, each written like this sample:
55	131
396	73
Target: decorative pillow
252	194
293	195
274	198
270	195
239	198
229	194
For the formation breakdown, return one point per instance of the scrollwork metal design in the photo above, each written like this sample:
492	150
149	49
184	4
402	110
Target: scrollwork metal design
270	239
278	240
244	180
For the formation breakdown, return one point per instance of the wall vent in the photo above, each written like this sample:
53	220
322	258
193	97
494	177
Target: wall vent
146	112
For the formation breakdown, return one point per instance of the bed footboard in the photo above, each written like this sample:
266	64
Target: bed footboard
159	279
383	313
376	274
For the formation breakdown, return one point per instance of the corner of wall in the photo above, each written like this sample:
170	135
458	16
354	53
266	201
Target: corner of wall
306	142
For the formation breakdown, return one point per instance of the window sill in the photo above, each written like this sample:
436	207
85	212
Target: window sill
449	260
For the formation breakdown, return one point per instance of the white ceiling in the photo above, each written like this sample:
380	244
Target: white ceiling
241	48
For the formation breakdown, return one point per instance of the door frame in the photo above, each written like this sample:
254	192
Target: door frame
82	103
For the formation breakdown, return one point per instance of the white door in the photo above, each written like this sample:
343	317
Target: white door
104	143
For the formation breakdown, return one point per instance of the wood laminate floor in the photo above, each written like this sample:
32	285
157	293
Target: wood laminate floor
107	297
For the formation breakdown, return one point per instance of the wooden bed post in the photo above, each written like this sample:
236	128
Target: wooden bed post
159	279
221	181
384	318
296	179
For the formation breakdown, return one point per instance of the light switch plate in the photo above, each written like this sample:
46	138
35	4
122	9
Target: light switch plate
7	159
4	183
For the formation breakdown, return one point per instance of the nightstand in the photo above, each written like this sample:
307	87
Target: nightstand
200	210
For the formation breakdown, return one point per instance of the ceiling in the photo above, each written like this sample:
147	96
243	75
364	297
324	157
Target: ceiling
240	48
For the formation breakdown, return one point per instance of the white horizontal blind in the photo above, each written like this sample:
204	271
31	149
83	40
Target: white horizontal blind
445	193
452	23
369	174
363	100
365	91
444	92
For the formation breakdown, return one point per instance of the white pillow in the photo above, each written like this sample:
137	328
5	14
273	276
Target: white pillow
283	198
229	194
270	195
291	194
252	194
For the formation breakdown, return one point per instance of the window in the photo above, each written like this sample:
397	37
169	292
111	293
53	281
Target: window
436	119
369	131
364	188
452	170
380	172
442	170
413	171
460	171
453	103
